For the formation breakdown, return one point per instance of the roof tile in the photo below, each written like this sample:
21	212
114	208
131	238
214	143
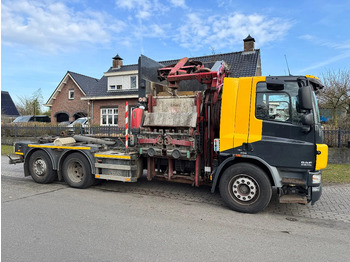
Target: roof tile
7	106
240	64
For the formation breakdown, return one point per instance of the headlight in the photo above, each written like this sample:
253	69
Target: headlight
316	179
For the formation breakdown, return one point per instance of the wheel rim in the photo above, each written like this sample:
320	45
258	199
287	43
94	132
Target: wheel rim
39	167
244	189
75	171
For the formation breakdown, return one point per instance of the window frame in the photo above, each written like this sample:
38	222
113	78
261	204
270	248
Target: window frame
270	93
294	112
131	81
114	113
70	92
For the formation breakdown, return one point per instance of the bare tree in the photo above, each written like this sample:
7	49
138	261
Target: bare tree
336	94
31	105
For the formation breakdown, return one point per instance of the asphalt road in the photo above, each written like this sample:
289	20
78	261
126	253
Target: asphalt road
152	222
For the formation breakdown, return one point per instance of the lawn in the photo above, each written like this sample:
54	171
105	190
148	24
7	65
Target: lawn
338	174
6	150
335	173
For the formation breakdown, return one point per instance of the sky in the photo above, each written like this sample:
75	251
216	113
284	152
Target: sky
42	40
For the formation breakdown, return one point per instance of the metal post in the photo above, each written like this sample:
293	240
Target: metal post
35	131
15	130
126	124
109	130
149	169
57	131
197	171
171	168
339	137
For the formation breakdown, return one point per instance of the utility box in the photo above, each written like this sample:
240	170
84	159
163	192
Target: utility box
112	165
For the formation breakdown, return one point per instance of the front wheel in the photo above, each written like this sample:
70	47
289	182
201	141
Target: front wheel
76	171
245	188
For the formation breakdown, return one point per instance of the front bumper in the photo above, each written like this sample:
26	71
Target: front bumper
316	193
315	183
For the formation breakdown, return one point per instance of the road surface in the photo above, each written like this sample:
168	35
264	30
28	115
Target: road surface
157	222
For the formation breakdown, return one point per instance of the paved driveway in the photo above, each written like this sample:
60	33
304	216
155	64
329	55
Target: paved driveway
334	204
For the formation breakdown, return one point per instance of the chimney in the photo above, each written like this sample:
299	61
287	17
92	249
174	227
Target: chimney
248	44
117	61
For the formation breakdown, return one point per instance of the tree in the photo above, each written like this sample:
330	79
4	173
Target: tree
31	105
336	94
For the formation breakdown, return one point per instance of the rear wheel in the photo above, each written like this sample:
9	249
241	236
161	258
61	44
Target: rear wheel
245	188
76	171
40	167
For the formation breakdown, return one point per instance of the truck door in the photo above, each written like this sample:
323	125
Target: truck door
276	133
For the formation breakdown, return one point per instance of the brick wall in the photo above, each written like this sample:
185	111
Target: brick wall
70	106
120	103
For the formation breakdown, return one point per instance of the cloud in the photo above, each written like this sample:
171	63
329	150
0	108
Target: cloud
220	31
143	9
53	26
322	42
343	55
178	3
342	48
146	19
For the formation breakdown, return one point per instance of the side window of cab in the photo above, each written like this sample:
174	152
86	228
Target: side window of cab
272	106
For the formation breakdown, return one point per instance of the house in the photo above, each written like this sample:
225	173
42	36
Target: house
65	102
103	100
8	108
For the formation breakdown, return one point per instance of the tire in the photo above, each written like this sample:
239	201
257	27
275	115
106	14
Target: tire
40	167
245	188
76	171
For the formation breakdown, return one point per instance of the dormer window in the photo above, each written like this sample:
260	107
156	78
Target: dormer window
71	94
122	82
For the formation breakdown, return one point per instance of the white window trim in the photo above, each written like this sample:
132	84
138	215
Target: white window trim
101	116
69	94
124	83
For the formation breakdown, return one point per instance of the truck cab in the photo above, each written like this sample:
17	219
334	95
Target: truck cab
272	123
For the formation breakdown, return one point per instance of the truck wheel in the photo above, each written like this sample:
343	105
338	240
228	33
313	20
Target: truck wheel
245	188
40	167
76	171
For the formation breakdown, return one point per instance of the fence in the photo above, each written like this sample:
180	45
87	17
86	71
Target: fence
333	137
39	131
337	137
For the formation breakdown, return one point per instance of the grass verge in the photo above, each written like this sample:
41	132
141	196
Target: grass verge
334	173
7	150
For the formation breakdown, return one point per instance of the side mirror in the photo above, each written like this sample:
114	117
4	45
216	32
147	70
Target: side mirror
305	97
308	119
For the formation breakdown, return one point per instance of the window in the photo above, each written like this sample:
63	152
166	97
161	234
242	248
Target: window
133	84
273	106
71	94
109	116
115	87
278	106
